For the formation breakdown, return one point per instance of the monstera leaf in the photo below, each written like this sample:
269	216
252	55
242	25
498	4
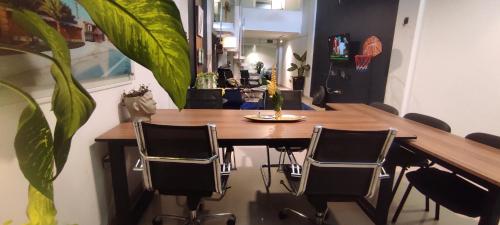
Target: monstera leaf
150	32
71	103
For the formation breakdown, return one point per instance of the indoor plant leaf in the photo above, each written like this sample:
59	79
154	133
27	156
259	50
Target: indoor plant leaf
71	103
41	210
303	57
297	56
150	32
34	144
293	67
307	67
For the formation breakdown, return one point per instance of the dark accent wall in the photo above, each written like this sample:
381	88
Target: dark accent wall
361	19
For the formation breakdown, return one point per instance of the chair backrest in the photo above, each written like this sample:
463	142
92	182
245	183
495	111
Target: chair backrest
344	163
429	121
484	138
292	100
234	99
244	74
179	160
385	107
319	98
204	99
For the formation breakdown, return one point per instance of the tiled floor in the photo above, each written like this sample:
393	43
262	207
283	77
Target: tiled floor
248	200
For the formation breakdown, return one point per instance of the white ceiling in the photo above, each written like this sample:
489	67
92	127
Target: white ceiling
268	35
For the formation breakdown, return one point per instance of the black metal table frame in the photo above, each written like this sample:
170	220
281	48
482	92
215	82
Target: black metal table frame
128	213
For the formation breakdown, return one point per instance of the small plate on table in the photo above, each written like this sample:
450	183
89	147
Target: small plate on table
271	118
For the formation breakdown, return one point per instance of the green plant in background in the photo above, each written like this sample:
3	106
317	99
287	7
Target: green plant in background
149	32
301	67
206	80
259	66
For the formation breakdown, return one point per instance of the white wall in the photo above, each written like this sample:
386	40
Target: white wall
456	76
259	52
82	192
272	20
404	38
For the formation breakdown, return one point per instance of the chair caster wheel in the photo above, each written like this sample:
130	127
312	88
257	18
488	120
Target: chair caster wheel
231	222
282	215
157	221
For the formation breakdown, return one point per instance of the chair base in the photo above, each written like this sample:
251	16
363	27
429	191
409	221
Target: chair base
319	218
194	219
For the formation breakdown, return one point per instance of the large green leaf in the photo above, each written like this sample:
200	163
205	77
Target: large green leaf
71	103
33	144
150	32
41	210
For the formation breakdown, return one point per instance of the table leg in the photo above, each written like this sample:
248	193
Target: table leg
126	213
268	170
491	213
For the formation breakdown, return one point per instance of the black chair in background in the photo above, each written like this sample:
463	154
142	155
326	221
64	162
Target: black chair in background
448	189
320	97
339	166
234	99
183	161
204	99
245	78
292	100
405	158
385	107
224	74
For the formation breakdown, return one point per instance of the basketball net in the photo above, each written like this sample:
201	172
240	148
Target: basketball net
362	62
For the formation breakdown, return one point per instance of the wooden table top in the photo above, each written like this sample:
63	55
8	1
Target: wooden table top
232	126
477	159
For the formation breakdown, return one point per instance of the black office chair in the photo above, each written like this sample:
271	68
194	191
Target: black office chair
292	100
245	78
320	97
204	99
183	161
339	166
385	107
234	99
448	189
405	158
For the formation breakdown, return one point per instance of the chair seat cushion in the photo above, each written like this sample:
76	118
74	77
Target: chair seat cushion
449	190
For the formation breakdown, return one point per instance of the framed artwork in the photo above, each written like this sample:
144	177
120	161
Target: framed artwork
95	60
201	21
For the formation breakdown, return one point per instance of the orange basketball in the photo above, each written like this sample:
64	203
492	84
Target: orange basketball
372	46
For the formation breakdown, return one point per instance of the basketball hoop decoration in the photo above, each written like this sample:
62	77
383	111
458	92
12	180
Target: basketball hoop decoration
372	47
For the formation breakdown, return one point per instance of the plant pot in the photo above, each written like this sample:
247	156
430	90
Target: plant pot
141	108
298	83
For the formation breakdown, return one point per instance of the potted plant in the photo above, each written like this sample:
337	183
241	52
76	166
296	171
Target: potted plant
301	67
206	80
140	103
259	66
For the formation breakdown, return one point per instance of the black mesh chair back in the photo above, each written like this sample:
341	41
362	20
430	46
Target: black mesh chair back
319	98
486	139
292	100
344	163
429	121
245	77
179	160
204	99
385	107
221	79
234	99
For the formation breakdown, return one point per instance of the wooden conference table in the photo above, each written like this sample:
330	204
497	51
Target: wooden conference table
233	129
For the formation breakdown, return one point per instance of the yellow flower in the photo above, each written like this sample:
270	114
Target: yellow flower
272	87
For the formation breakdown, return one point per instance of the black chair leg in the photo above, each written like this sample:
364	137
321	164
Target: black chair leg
436	215
398	181
401	204
427	204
